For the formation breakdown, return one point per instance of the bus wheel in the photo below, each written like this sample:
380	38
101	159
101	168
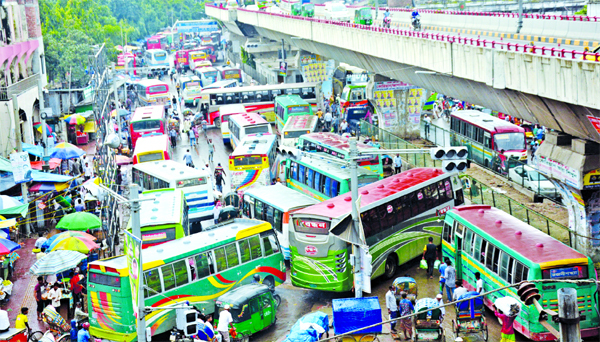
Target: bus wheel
270	283
391	264
277	299
218	123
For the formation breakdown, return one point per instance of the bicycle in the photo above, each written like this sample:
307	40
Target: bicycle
60	332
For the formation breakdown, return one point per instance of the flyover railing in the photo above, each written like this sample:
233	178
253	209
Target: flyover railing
476	192
485	43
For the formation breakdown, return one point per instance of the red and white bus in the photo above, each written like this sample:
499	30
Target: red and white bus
156	42
146	120
228	74
127	61
485	135
152	148
224	113
246	124
153	92
256	99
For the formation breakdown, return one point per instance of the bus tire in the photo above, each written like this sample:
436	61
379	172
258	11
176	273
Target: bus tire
277	299
269	282
35	336
218	123
391	265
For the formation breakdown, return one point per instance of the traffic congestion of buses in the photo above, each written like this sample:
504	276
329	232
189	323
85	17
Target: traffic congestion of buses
288	205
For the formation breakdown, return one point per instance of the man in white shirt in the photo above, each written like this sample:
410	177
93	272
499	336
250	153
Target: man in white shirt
328	119
88	171
55	295
397	164
479	282
225	321
440	302
459	291
392	306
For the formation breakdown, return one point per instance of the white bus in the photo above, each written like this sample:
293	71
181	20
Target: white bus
246	124
157	59
191	87
195	183
274	204
207	74
294	128
257	99
224	113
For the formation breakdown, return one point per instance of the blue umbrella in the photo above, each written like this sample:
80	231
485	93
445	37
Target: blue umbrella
8	246
67	151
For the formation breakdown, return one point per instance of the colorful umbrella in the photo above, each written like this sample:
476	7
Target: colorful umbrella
38	126
122	112
76	243
79	221
75	119
65	150
7	246
57	262
37	165
71	233
8	202
46	187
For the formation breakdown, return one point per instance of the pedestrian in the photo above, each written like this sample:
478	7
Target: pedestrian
79	314
41	254
211	150
219	169
442	269
79	206
219	181
319	113
119	179
427	121
328	118
458	291
209	325
225	322
87	171
343	127
398	164
440	302
478	282
335	123
450	277
192	137
84	335
429	255
76	287
217	211
392	307
507	333
406	308
187	157
22	321
173	137
38	290
55	295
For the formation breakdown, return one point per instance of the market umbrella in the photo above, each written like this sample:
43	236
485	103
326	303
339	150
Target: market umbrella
122	160
57	262
38	126
187	111
75	119
65	150
79	221
76	243
7	246
46	187
8	202
54	163
92	185
64	235
122	112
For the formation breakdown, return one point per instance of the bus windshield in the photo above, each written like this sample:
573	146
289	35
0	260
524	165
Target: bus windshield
294	134
257	129
299	109
145	125
247	160
231	74
148	157
160	55
157	89
210	74
536	176
104	279
191	182
509	141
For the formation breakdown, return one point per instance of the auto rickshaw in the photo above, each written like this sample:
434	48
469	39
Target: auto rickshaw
363	16
296	8
428	323
253	308
408	285
308	10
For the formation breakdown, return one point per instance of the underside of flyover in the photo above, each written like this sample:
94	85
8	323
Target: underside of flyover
557	115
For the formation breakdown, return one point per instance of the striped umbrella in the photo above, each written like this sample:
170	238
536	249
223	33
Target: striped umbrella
7	246
56	262
79	221
75	119
75	243
63	235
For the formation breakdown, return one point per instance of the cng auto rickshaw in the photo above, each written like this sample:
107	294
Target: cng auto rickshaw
308	10
253	308
363	16
296	8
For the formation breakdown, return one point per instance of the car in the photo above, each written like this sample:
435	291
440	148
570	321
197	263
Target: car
337	11
532	179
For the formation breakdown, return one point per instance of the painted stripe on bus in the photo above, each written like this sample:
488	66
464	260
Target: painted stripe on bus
251	177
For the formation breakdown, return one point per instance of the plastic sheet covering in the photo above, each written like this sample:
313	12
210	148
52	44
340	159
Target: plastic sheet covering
302	336
354	313
476	303
317	317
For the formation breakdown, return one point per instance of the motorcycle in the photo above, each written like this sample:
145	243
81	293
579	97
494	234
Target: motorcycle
386	22
416	23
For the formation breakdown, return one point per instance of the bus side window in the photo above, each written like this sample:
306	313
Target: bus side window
476	246
484	245
442	192
447	232
489	257
181	273
414	204
511	263
244	250
327	187
255	249
152	281
468	242
270	244
373	226
398	209
168	277
317	183
232	255
278	220
309	178
520	272
258	210
504	266
192	265
270	215
300	173
204	265
220	259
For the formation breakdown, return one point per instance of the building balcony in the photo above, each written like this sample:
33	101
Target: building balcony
23	85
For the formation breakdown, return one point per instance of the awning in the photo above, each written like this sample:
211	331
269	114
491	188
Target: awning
5	165
47	187
37	165
90	127
18	210
39	176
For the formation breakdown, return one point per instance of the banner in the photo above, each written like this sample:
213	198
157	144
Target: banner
282	69
133	251
21	167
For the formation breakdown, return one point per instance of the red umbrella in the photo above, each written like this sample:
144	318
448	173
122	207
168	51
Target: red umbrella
37	165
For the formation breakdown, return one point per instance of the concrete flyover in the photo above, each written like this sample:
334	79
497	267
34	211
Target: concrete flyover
551	86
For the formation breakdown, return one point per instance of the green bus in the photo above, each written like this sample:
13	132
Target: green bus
335	145
506	250
196	269
398	214
289	105
322	179
163	219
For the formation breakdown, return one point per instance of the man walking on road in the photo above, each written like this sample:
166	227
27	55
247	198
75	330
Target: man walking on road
429	254
392	307
450	276
225	322
397	164
211	150
173	137
328	119
188	159
219	181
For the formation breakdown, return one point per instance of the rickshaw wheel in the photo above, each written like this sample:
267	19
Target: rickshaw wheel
277	300
369	338
35	336
270	283
242	338
455	328
347	338
485	331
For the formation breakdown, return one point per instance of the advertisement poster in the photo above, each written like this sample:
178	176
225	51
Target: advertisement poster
384	99
595	122
559	171
133	251
414	105
21	167
282	69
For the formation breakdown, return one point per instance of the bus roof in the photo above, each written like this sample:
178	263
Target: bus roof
334	140
291	100
158	255
301	122
148	112
153	51
206	69
260	87
232	109
216	86
151	143
333	169
188	78
487	121
281	197
340	206
505	228
254	144
249	119
165	209
152	82
170	169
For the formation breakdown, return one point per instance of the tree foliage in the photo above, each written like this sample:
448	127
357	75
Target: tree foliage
71	27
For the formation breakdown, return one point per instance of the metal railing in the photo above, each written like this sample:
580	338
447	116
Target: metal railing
23	85
477	192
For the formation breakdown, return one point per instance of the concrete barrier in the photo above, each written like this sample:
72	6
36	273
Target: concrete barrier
534	27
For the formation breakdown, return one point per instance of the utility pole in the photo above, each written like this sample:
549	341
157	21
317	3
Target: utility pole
45	158
568	315
137	231
355	225
19	143
116	106
520	22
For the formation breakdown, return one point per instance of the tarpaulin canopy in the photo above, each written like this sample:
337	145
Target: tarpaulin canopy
39	176
37	165
90	127
18	210
5	165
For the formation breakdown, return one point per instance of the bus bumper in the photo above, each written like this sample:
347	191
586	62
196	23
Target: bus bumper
546	336
339	286
110	336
